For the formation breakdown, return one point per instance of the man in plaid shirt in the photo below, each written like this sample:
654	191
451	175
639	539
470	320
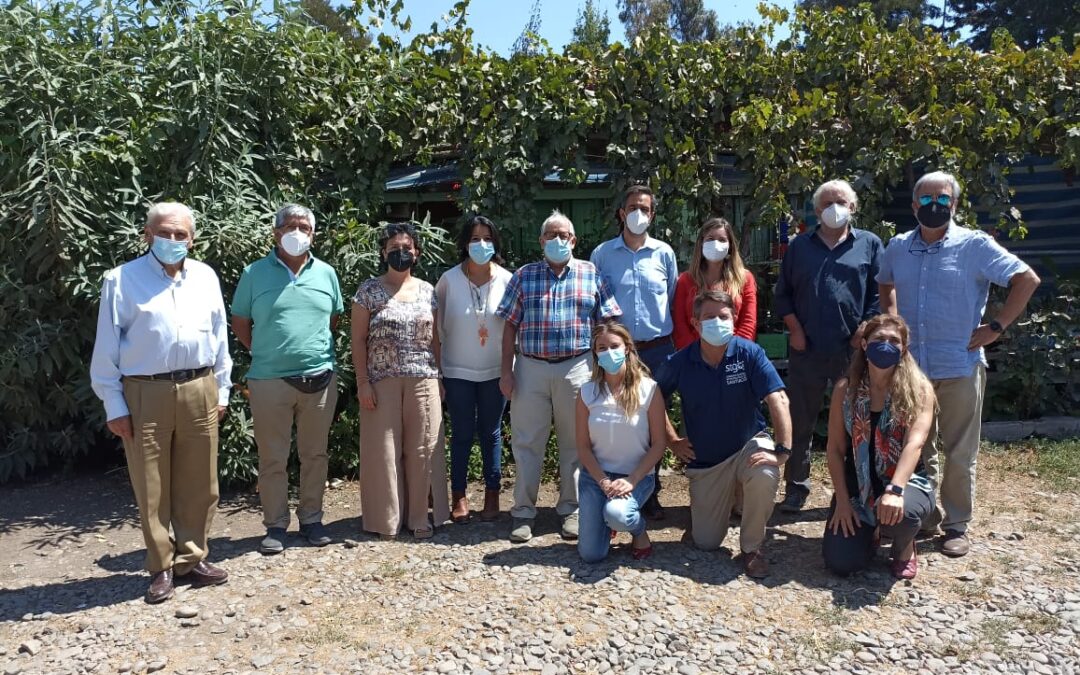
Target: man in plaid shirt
550	308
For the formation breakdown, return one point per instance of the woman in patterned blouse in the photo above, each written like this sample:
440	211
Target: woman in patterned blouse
879	419
396	355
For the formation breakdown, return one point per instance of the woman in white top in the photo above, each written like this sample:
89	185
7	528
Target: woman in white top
620	438
471	337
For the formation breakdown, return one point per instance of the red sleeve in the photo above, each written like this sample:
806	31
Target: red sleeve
685	291
746	321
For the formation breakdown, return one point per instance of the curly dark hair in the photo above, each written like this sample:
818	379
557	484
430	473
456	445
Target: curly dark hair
465	234
392	230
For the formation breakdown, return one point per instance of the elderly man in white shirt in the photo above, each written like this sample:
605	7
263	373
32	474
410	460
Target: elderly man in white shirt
161	365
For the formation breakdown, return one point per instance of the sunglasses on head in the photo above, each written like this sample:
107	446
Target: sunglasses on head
944	200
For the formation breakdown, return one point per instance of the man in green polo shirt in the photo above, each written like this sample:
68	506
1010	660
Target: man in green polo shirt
285	311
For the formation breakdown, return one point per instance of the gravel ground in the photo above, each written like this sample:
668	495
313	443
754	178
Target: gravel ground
468	601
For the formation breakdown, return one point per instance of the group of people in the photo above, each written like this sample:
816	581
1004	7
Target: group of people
592	349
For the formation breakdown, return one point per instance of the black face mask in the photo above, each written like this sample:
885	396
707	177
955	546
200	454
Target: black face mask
934	215
401	259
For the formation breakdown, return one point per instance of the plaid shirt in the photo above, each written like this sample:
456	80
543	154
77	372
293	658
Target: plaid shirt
553	315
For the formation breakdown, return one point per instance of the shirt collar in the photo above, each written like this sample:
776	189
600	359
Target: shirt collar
650	243
310	260
156	268
949	230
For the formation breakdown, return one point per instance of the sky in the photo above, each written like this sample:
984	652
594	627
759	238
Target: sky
498	23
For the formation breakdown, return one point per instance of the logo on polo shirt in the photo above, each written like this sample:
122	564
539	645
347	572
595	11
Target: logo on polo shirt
736	372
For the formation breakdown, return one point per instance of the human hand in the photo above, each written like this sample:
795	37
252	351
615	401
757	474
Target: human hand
843	520
221	410
797	340
683	449
982	336
890	509
763	458
620	487
856	338
506	385
366	394
121	426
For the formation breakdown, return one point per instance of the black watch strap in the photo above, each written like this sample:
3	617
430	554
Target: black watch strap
780	449
996	326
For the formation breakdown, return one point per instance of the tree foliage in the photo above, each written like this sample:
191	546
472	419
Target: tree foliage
592	30
234	111
892	13
1030	23
686	20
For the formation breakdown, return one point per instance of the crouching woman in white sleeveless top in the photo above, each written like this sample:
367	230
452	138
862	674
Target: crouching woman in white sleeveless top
620	438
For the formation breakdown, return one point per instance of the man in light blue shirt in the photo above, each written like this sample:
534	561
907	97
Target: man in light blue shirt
937	277
161	365
641	272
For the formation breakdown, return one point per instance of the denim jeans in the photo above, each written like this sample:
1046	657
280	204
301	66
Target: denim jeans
476	410
599	515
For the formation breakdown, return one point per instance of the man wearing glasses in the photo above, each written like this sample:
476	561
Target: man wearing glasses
937	277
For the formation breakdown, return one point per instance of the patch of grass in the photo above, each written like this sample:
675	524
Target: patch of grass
389	570
992	633
1037	623
1056	462
828	614
328	631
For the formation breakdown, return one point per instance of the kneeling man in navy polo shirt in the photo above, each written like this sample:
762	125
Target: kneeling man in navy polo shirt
722	380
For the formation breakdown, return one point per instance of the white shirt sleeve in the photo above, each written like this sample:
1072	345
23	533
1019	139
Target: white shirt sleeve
222	360
105	363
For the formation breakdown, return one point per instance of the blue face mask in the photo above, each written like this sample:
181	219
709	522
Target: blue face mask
883	354
612	360
169	252
557	251
481	251
717	332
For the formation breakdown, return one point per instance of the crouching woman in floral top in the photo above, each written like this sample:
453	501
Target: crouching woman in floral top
396	355
878	421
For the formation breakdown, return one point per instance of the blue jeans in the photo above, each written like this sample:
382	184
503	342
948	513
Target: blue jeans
599	515
476	409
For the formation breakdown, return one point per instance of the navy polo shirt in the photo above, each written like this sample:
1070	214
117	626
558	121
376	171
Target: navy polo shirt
722	405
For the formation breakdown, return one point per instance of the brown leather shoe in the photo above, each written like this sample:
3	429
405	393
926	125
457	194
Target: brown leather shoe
491	506
755	564
460	512
161	587
205	574
956	544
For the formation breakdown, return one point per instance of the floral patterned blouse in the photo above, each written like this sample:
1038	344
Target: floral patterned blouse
399	333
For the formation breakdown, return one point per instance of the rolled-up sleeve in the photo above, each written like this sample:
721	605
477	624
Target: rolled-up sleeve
996	262
510	308
105	362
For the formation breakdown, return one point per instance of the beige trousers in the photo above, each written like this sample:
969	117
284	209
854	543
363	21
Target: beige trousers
275	405
440	491
955	432
397	440
172	461
712	495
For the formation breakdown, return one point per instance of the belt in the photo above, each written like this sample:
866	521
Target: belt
177	375
561	359
642	345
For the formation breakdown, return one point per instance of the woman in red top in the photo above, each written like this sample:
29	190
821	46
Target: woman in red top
715	265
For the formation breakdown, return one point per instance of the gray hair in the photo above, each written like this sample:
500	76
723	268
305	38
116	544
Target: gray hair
161	209
294	211
937	177
841	185
556	216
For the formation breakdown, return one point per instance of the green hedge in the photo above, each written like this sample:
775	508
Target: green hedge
105	108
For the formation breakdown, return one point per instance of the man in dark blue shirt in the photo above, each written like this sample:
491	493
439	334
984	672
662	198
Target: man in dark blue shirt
722	380
824	293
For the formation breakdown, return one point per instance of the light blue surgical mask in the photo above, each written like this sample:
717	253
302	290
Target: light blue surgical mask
557	251
717	332
612	359
481	251
167	251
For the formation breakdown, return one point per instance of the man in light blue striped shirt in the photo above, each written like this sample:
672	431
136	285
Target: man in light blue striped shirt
161	365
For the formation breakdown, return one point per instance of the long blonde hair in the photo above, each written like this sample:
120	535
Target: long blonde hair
909	386
732	271
629	399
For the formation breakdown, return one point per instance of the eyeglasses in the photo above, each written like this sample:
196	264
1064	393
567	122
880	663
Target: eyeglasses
944	200
924	248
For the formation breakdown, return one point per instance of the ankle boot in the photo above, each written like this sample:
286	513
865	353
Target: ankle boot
491	505
460	512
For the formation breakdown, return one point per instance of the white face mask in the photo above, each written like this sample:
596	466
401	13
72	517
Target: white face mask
836	216
714	250
637	221
295	242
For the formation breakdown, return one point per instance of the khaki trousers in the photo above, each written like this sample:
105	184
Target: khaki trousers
959	423
172	461
397	440
543	392
275	405
712	495
440	492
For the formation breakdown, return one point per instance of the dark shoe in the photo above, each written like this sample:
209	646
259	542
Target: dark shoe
652	510
956	544
521	530
205	574
755	565
161	587
491	506
570	527
905	569
460	511
793	502
274	541
316	534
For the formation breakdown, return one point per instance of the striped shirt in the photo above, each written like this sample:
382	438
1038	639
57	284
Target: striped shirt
554	315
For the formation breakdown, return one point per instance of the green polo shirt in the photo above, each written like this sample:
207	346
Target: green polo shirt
290	316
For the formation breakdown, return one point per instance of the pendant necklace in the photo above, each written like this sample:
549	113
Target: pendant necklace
480	304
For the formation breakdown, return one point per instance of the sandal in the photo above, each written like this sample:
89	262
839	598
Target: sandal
423	533
641	553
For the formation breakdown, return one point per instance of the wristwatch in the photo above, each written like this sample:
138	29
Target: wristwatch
780	449
895	489
996	326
